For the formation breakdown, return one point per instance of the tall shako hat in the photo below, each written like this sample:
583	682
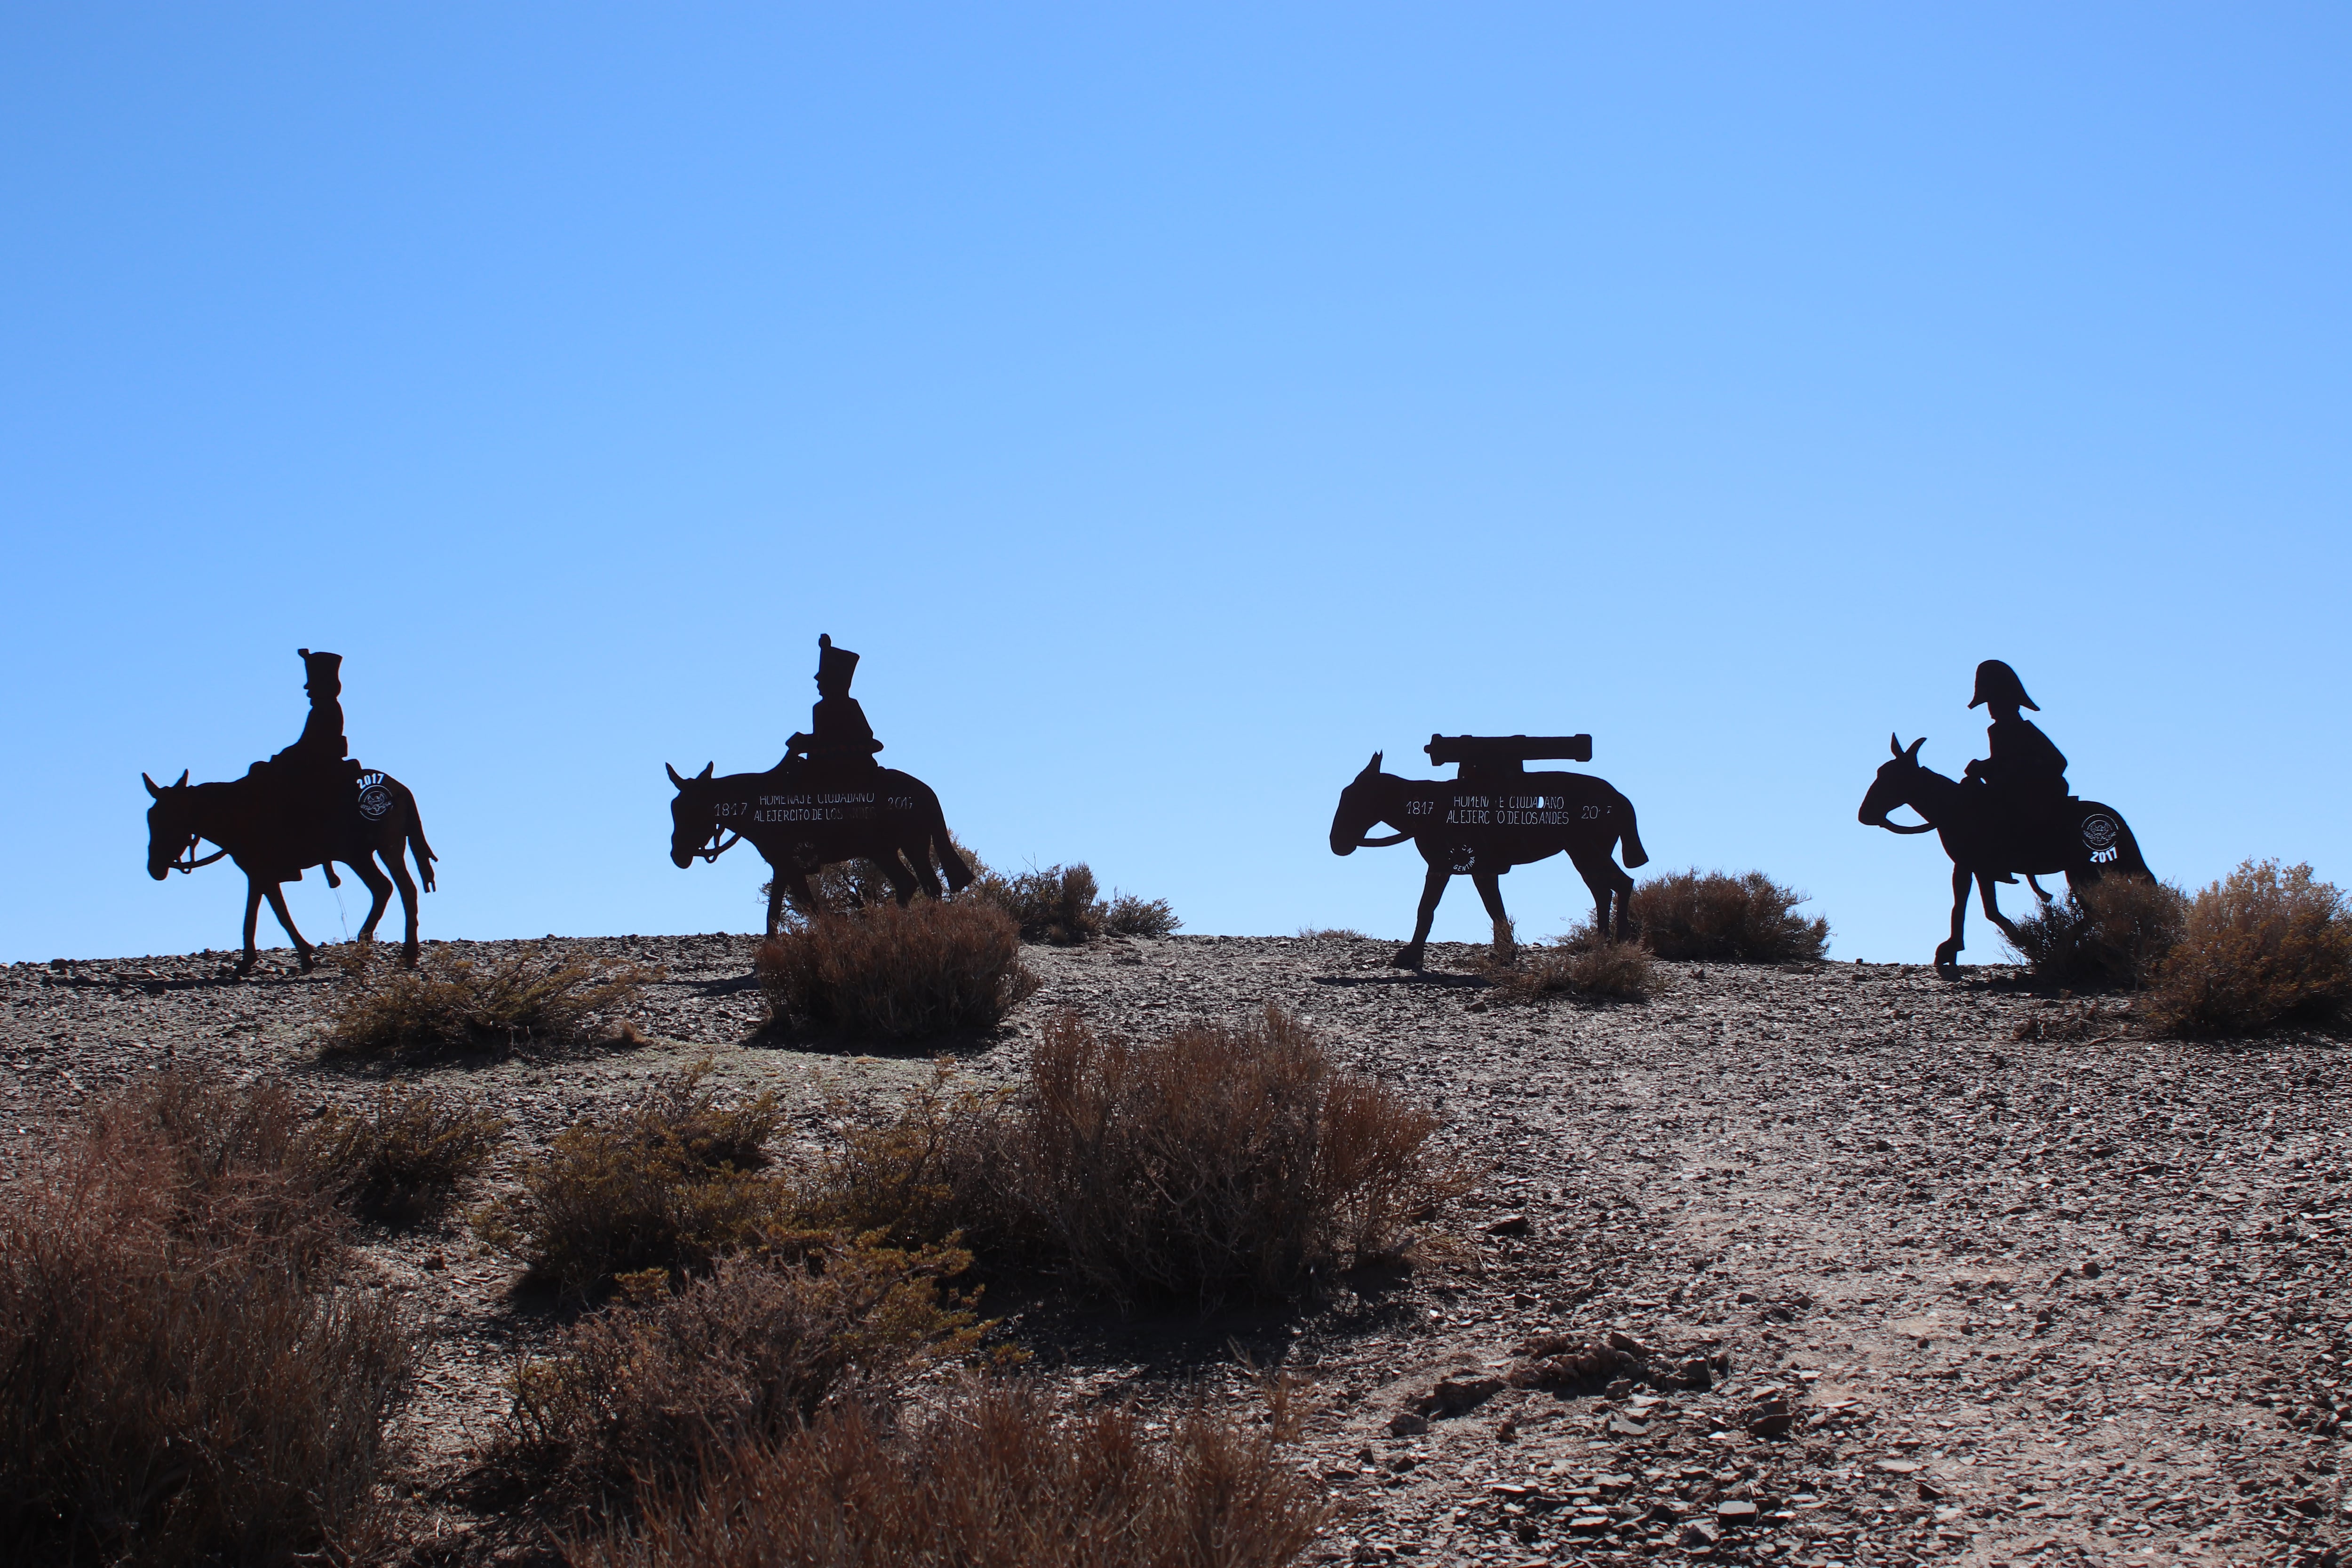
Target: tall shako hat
322	668
1996	682
833	663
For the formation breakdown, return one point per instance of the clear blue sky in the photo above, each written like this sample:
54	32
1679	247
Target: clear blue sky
1172	407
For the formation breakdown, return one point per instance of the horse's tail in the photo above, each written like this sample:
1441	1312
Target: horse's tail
1635	856
943	849
418	847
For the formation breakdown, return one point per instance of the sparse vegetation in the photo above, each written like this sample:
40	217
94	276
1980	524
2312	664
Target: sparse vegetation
449	1004
993	1478
674	1183
2265	945
184	1378
890	974
1581	965
401	1157
1214	1162
2113	932
1716	917
646	1389
1062	905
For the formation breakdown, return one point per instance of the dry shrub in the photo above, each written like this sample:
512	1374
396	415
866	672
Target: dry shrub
1582	965
1062	905
183	1376
2264	946
645	1389
892	974
1127	915
450	1003
912	1178
400	1157
2115	932
673	1183
1747	919
992	1477
1211	1163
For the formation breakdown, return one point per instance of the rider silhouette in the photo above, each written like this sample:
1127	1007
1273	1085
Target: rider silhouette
308	776
839	735
2025	775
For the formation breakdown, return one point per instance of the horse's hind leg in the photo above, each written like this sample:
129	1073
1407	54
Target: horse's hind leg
407	885
379	887
277	897
1610	887
903	884
1490	893
1948	954
2035	884
1409	955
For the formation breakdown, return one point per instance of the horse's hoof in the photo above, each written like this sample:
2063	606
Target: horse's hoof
307	965
1406	958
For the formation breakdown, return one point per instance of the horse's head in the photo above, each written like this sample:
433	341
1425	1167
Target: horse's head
1894	785
171	825
1362	804
693	815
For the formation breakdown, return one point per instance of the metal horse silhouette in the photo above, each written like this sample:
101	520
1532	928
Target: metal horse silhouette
308	805
1493	816
2009	815
825	802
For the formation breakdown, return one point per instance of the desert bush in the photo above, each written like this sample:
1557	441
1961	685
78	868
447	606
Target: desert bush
452	1004
673	1183
2262	946
1127	915
2113	932
1215	1162
1710	916
1579	965
919	1175
892	974
1062	905
646	1388
992	1477
184	1377
400	1157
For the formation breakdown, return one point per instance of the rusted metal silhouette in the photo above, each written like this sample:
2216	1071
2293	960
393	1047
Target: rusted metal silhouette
827	802
2009	815
308	805
1494	815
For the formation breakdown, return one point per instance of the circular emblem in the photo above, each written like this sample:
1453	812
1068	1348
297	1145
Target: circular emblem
2100	830
374	800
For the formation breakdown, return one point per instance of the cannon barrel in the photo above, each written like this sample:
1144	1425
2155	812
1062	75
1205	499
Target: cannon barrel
1492	749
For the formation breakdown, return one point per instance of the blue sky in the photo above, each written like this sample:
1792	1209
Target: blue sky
1173	407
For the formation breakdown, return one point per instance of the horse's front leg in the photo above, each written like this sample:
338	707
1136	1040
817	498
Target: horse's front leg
1409	955
1948	954
1992	907
1490	893
277	897
252	918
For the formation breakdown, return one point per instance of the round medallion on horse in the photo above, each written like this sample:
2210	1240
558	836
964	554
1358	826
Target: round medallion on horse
1492	816
2008	815
827	801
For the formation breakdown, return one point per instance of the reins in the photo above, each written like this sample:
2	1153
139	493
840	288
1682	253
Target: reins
191	863
712	851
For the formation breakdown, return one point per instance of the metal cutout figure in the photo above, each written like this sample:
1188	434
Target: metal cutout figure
1492	816
309	804
2008	815
828	800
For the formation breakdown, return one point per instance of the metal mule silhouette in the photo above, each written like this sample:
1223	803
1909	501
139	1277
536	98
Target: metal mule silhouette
827	801
2008	815
308	805
1495	815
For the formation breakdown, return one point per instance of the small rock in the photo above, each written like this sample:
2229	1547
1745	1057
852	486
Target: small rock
1930	1490
1695	1535
1405	1424
1736	1510
1510	1225
1900	1467
1624	1425
1588	1524
436	1261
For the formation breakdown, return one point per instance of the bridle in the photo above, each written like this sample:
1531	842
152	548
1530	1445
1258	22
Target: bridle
1383	841
713	850
1903	827
191	863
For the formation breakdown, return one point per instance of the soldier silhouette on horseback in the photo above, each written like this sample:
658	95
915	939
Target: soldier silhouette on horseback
312	779
2024	775
838	738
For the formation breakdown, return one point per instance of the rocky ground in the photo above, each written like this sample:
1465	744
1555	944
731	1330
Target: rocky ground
1976	1275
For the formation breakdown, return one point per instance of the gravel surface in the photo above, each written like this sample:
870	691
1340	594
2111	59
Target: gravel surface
1974	1274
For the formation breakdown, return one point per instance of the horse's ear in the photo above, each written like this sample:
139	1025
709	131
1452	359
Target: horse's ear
675	776
1895	745
183	780
706	769
1374	765
150	786
1912	755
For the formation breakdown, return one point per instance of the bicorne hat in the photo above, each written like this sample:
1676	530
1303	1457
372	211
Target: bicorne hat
1996	682
833	663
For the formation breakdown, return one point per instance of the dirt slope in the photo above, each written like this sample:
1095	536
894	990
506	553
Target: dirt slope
2074	1294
